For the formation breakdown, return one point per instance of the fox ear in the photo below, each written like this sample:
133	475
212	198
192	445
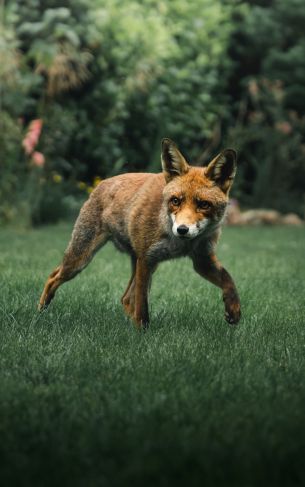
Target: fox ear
222	169
173	162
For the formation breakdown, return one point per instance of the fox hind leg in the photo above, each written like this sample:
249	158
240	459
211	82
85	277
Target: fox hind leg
127	299
135	298
49	289
87	238
71	266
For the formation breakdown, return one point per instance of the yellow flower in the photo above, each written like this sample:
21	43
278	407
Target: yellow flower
96	181
57	178
81	185
90	189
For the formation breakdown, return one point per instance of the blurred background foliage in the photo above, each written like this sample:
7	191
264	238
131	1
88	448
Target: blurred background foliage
89	88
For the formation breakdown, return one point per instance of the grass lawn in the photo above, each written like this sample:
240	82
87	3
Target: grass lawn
87	400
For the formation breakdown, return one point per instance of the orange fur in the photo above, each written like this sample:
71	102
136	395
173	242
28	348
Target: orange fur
154	217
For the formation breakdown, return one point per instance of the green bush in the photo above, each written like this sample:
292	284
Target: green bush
110	78
272	169
267	122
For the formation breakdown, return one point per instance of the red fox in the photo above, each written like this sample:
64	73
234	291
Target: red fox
155	217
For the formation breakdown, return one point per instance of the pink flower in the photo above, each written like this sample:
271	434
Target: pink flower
38	159
32	136
27	146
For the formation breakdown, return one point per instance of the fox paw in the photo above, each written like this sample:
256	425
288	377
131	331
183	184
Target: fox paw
42	305
233	314
129	309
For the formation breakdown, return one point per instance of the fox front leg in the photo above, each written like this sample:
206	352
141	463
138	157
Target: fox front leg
141	289
211	269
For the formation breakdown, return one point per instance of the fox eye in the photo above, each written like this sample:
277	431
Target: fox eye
203	205
175	201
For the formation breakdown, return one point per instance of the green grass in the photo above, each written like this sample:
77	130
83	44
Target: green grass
87	400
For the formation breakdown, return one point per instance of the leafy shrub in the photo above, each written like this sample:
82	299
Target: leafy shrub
267	120
272	169
110	78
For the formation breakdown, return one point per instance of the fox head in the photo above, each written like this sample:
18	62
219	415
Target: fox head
196	197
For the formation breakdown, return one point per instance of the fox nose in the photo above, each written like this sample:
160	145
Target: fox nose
182	229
